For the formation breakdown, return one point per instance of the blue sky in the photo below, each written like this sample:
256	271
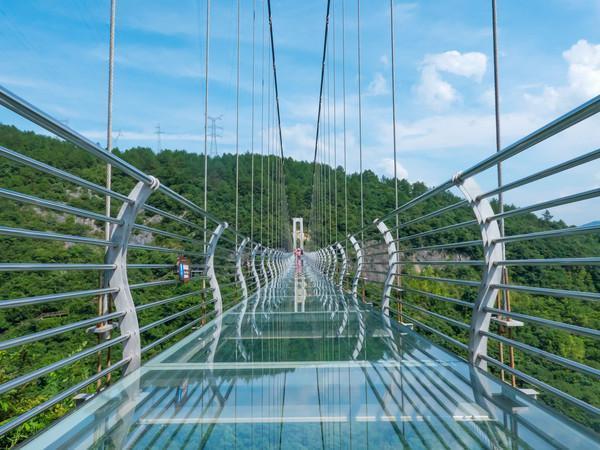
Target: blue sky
55	54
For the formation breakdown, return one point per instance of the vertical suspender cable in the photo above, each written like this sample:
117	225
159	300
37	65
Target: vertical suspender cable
111	73
321	87
344	122
103	305
398	268
262	126
276	96
497	109
237	128
328	147
505	295
362	197
393	64
335	184
252	124
275	79
206	61
268	177
206	67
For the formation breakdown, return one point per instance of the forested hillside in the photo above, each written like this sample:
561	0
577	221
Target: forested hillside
183	171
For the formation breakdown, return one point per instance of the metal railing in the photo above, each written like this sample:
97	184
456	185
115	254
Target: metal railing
126	290
441	263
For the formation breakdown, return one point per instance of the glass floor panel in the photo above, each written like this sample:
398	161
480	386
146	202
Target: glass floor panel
303	366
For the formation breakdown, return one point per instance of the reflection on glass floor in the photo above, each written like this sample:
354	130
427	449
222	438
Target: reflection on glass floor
303	366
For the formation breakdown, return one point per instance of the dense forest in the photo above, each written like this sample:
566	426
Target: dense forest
182	171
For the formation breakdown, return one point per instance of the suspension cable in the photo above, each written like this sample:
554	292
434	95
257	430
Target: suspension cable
344	123
335	185
393	68
262	126
252	122
206	62
103	300
275	78
237	128
268	178
322	79
362	197
328	147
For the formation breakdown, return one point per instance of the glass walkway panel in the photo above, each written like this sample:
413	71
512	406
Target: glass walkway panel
302	365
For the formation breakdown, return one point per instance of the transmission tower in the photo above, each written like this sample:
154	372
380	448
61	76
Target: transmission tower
159	133
214	134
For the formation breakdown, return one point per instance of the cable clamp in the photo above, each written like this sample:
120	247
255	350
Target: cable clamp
457	178
154	183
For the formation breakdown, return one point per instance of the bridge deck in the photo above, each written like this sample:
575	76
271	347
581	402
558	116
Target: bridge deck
303	366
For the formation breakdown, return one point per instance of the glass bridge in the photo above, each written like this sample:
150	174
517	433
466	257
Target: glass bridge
302	365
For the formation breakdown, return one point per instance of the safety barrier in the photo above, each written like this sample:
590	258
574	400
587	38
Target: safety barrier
442	263
164	267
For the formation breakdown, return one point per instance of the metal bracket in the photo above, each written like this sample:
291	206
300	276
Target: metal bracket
331	250
480	321
117	254
359	263
253	264
262	265
238	267
392	265
269	265
344	267
210	267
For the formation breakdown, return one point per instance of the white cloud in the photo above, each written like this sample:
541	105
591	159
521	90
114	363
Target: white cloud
584	68
470	65
299	140
384	60
405	11
438	93
583	79
387	167
377	86
433	91
487	98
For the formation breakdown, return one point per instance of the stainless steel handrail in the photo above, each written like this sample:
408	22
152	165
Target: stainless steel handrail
123	310
440	256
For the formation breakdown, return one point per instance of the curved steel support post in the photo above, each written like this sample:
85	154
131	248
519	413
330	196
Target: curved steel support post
238	267
393	261
321	258
493	252
262	265
342	252
280	261
359	264
253	264
270	264
328	262
117	278
318	260
277	263
331	249
210	267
